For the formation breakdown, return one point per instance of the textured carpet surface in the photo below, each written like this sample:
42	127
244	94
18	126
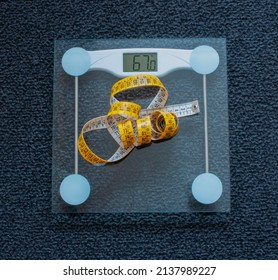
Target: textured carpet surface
28	228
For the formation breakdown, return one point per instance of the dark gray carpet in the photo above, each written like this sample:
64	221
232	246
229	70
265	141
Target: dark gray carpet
28	229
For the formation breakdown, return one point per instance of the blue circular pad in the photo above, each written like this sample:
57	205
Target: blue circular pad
207	188
76	61
204	60
75	189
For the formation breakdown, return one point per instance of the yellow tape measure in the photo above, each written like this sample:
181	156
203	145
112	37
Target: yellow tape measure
132	126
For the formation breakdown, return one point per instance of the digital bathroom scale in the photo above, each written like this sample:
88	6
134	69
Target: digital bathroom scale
111	156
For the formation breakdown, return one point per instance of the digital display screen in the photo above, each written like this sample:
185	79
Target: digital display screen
139	62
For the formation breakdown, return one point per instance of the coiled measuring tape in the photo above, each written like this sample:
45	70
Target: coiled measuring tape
132	126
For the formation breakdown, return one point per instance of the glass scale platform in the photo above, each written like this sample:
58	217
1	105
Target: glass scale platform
158	177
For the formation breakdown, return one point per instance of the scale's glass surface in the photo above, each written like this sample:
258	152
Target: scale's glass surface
155	178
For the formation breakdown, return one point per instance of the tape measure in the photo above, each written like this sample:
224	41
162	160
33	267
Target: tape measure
132	126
